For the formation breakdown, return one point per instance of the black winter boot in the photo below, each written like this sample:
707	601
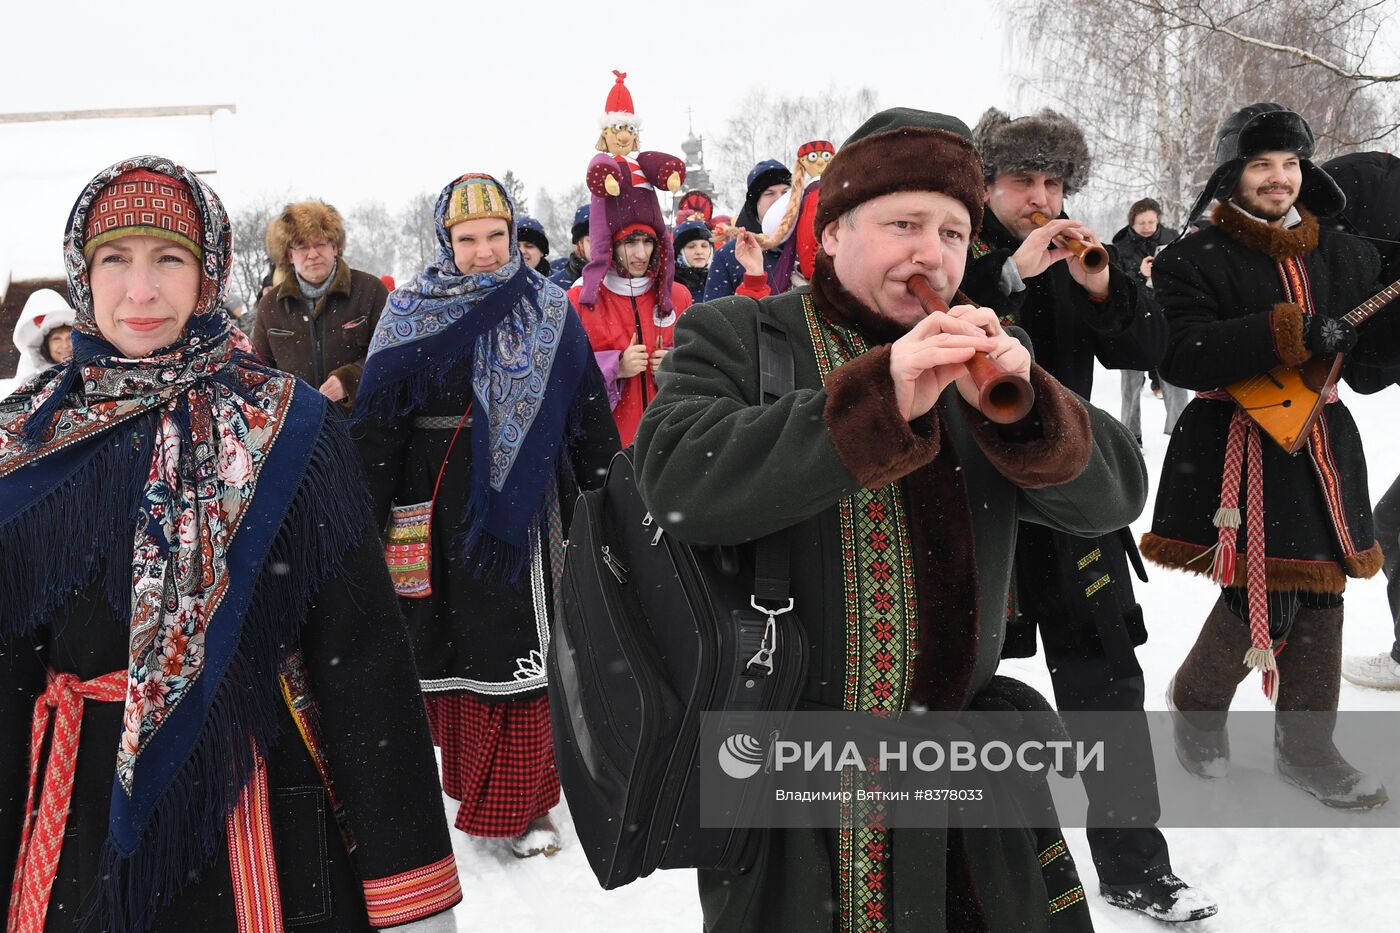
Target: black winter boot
1310	668
1166	898
1199	694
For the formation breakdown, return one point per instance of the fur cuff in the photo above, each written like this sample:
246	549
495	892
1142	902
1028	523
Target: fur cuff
1365	565
1286	322
349	376
1055	453
872	440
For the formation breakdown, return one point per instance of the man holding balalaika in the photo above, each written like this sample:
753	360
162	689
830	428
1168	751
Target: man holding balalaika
1264	484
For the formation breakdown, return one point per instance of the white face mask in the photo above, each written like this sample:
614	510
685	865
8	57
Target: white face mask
773	217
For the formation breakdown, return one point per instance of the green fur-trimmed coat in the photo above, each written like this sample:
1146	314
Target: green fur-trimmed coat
720	469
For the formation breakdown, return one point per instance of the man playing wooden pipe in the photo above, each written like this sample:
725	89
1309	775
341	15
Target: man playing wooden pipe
900	502
1266	286
1078	591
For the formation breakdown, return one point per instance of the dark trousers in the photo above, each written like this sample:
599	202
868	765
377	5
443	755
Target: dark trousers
1090	683
1079	594
1387	520
1283	606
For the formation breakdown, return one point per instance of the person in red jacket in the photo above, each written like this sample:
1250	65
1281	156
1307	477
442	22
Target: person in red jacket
630	334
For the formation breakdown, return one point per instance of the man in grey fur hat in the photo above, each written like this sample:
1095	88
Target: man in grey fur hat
1077	591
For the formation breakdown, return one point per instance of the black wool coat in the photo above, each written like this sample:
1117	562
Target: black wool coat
1223	295
1371	182
482	637
375	741
1132	248
1068	330
1059	576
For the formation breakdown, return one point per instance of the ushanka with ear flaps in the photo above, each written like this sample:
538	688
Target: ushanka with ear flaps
1267	127
1046	142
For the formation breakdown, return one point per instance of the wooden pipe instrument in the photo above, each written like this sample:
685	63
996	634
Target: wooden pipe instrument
1002	397
1093	258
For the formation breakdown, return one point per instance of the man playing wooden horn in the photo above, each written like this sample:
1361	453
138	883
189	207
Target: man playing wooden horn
1077	591
1265	286
901	502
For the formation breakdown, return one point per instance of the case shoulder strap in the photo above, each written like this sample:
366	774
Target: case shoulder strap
776	378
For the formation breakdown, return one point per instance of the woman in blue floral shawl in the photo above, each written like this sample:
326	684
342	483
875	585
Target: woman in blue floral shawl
200	656
482	413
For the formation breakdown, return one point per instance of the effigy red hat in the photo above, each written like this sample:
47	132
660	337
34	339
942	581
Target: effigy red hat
619	108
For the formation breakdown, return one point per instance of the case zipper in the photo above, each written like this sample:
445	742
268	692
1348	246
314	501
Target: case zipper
618	568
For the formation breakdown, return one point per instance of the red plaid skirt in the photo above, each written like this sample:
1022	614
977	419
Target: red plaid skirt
497	759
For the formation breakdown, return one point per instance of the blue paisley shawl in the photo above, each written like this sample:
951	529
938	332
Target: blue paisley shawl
528	352
205	491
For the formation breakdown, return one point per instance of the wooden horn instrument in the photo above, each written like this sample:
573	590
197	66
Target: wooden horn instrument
1093	258
1002	397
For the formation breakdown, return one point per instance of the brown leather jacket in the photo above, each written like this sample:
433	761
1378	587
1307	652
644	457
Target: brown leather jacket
330	341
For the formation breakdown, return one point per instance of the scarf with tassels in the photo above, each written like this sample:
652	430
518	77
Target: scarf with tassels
1244	464
528	353
1244	448
206	492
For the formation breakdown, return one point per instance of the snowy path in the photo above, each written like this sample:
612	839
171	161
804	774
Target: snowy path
1330	881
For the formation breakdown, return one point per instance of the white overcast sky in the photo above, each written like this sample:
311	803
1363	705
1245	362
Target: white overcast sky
360	102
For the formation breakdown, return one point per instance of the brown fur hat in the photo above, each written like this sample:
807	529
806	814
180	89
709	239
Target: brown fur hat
902	149
302	222
1046	142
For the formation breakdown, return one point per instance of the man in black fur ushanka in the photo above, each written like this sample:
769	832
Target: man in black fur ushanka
1265	286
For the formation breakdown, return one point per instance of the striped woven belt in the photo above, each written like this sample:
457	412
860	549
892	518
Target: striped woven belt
57	711
439	422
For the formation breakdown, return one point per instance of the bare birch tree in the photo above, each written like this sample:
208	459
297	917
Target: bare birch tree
1149	89
250	259
417	232
768	127
371	239
556	215
1341	60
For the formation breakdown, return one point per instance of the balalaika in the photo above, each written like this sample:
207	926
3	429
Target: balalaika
1285	402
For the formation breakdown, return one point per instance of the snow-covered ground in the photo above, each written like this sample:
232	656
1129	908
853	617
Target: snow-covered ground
1264	879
